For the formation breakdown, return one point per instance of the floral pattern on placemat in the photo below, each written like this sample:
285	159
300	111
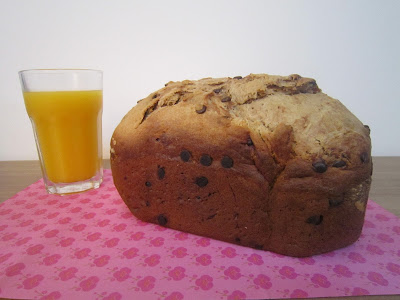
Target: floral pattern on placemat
89	246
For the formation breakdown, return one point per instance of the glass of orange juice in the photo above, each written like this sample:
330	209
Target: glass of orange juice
65	107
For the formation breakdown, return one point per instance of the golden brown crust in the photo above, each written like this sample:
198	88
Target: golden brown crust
270	161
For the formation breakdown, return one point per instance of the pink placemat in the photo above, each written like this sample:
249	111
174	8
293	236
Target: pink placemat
89	246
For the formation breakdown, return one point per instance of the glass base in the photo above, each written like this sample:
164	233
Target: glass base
74	187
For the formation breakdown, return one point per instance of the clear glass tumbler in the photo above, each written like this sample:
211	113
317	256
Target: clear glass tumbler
65	107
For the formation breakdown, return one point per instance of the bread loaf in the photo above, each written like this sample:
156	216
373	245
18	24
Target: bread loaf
268	162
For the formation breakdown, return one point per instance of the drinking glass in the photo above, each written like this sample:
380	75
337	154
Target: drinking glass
65	107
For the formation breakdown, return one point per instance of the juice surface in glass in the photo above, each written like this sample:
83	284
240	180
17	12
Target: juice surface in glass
68	129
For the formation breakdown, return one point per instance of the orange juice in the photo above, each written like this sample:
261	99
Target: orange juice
68	132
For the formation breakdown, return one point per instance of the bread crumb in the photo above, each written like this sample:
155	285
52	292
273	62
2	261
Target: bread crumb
360	205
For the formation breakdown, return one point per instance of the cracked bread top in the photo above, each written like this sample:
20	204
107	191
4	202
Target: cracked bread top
289	114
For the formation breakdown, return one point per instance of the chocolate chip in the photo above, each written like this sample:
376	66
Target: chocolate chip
315	220
201	110
226	99
335	202
206	160
320	166
364	157
227	162
237	77
154	96
258	247
211	217
249	142
147	203
339	164
237	240
147	183
217	91
367	127
185	155
201	181
161	172
162	220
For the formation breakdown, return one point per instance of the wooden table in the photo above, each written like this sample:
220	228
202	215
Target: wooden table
385	189
17	175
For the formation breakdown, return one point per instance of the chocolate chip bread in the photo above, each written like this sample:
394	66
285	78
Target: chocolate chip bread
263	161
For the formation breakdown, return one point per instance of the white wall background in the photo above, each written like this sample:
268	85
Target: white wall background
352	49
